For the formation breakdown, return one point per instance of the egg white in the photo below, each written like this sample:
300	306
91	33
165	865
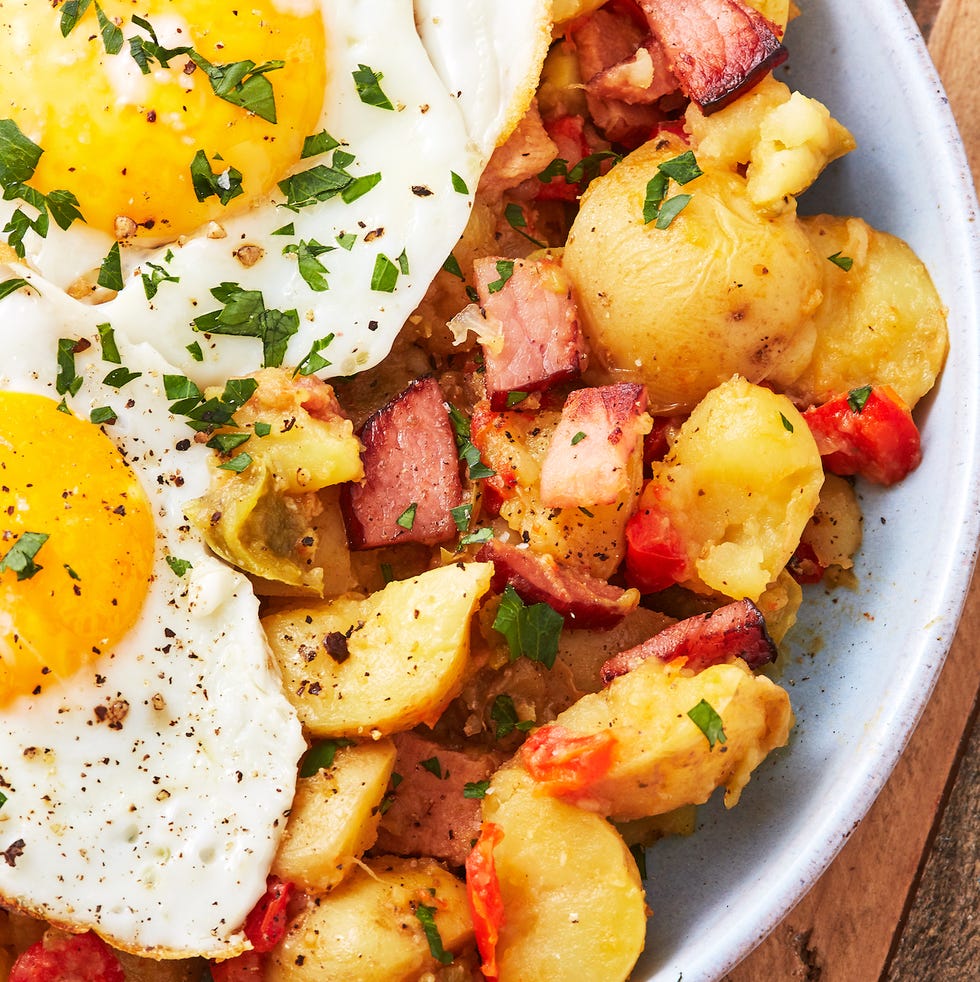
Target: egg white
158	834
457	89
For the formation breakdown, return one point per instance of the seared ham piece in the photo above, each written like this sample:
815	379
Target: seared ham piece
541	343
411	473
526	152
737	630
537	578
716	48
589	460
429	815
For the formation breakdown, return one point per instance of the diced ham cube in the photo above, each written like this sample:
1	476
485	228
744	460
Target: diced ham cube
583	600
429	814
541	343
526	152
737	630
716	48
411	473
596	442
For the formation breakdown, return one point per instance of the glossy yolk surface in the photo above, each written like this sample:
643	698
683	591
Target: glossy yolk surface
60	476
123	141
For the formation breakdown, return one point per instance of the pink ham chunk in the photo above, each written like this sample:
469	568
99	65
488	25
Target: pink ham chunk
583	600
716	48
737	630
532	302
430	814
411	473
599	438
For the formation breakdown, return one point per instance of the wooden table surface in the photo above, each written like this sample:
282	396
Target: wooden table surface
901	903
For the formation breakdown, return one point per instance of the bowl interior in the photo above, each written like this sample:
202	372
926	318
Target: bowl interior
860	664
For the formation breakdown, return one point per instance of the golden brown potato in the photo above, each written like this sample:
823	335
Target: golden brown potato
662	760
368	928
722	290
335	816
834	532
398	656
739	484
881	323
566	10
573	901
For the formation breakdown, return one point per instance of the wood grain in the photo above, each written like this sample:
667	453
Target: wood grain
849	927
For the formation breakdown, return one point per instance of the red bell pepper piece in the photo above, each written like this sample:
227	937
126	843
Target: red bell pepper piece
59	957
486	901
567	764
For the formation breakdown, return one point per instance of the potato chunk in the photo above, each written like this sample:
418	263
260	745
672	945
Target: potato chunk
739	484
335	816
573	900
368	928
662	760
723	290
380	664
881	323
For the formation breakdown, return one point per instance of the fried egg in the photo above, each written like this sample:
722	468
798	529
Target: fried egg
147	755
228	240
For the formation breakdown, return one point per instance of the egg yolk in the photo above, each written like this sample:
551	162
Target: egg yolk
123	142
66	598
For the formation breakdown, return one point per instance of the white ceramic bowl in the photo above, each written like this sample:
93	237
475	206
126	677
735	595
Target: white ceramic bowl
861	665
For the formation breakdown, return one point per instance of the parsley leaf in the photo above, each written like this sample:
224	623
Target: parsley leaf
532	631
112	36
308	254
476	789
503	713
103	414
476	537
67	380
237	464
708	722
110	352
321	756
459	185
110	272
427	918
407	518
242	83
224	186
314	361
368	84
657	207
843	262
514	214
179	566
71	13
143	51
153	279
20	556
318	143
467	450
244	314
857	398
505	270
119	377
433	766
12	286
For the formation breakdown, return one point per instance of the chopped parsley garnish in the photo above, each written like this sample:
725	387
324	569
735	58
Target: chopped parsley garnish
71	573
708	722
321	756
461	516
402	261
843	262
459	185
120	376
261	428
346	240
503	713
194	350
505	270
314	361
179	566
476	789
206	415
307	255
71	13
153	279
242	83
514	214
3	799
12	286
476	537
857	398
427	918
20	556
224	185
407	518
244	314
112	36
103	414
107	338
368	84
582	173
67	381
143	50
288	229
385	275
324	181
787	425
451	265
110	272
532	631
433	766
657	207
387	573
578	438
516	398
468	452
225	443
318	143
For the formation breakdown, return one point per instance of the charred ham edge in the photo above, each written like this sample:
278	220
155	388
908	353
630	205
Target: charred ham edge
588	459
737	630
583	600
429	814
541	345
716	48
411	473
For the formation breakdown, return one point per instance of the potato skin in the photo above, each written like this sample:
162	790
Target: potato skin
881	323
722	290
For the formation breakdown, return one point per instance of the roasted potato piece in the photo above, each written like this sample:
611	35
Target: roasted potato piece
335	816
368	928
739	484
834	532
380	664
723	289
573	901
881	323
662	759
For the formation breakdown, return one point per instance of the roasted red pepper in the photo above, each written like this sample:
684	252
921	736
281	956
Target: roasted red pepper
655	553
486	900
567	764
59	957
